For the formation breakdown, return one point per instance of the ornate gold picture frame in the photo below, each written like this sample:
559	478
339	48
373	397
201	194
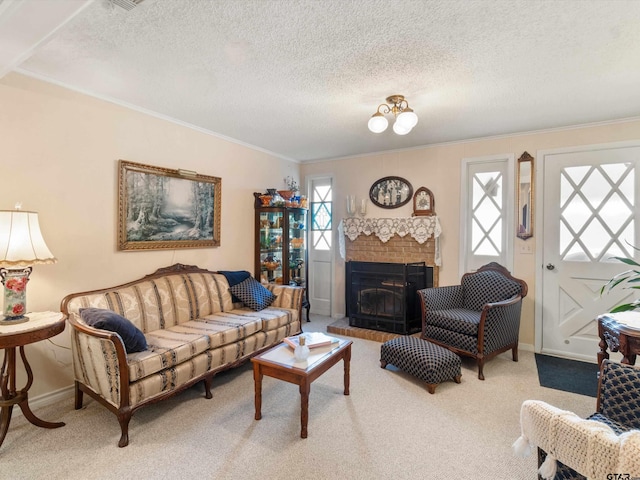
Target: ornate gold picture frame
162	208
525	196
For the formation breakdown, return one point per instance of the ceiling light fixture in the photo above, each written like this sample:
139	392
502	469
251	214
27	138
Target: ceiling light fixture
406	118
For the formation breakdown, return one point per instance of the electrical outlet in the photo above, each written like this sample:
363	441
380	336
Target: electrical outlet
526	248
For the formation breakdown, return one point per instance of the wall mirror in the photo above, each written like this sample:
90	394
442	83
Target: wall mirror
525	196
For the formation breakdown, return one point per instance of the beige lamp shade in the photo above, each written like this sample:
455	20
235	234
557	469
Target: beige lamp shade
21	242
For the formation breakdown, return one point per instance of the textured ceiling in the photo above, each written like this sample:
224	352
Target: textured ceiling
300	78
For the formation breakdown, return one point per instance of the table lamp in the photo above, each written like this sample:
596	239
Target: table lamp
21	245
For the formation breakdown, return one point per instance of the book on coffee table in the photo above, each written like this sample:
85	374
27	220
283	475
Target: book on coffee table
312	340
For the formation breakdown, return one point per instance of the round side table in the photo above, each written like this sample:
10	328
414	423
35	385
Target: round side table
41	325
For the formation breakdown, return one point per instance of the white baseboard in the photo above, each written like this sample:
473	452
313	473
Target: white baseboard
527	347
47	399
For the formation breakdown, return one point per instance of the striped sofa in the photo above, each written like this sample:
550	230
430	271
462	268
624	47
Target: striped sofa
192	328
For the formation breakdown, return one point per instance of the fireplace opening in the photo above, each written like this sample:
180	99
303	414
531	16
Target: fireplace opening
383	296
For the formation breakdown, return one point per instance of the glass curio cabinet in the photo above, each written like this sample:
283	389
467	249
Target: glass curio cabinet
281	244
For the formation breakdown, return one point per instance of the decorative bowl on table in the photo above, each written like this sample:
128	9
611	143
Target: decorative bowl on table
286	194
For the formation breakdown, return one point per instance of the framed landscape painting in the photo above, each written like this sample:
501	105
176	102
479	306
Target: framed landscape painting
161	208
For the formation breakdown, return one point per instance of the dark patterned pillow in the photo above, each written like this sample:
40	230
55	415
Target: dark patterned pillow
253	294
132	337
234	277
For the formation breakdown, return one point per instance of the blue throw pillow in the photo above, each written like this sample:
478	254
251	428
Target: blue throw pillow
253	294
234	277
131	335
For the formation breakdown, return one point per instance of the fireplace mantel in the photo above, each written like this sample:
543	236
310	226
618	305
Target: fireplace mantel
420	228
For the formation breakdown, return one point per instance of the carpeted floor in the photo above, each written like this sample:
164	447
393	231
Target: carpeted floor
567	375
388	427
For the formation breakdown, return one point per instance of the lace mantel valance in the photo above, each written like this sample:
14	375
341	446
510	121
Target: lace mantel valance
420	228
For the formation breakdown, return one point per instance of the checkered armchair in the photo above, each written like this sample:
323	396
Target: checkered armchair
604	444
479	318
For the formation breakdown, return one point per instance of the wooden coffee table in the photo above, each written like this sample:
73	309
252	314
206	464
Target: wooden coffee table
279	362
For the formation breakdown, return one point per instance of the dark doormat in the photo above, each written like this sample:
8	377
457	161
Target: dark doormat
568	375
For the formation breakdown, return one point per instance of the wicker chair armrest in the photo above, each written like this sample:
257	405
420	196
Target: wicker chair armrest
566	437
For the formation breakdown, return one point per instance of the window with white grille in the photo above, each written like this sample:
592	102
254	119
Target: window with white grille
321	206
597	212
487	208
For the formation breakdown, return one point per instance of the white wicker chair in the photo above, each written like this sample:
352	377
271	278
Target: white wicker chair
606	443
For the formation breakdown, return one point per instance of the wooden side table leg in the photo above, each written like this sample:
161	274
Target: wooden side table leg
24	403
347	369
7	402
257	381
629	359
602	354
4	373
5	420
29	415
305	387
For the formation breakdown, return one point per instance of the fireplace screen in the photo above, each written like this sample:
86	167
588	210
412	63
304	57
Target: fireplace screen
383	296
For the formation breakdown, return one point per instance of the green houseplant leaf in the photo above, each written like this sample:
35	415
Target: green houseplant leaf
629	279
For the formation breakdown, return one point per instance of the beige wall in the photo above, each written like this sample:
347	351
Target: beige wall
438	168
58	156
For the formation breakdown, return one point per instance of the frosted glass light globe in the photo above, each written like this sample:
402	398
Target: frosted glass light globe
400	129
407	119
377	123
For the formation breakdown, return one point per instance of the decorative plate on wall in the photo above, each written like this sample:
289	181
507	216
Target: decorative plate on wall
391	192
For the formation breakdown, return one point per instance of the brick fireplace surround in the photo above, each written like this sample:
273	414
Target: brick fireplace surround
369	248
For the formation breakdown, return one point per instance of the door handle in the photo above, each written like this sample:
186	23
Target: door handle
550	266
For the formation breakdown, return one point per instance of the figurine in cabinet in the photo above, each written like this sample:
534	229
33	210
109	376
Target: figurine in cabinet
281	245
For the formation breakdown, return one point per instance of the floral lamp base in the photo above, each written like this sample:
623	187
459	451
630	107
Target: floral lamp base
15	294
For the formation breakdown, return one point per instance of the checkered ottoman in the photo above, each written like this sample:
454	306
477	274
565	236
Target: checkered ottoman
422	359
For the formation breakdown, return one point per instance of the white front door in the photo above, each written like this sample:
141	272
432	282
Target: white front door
589	215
